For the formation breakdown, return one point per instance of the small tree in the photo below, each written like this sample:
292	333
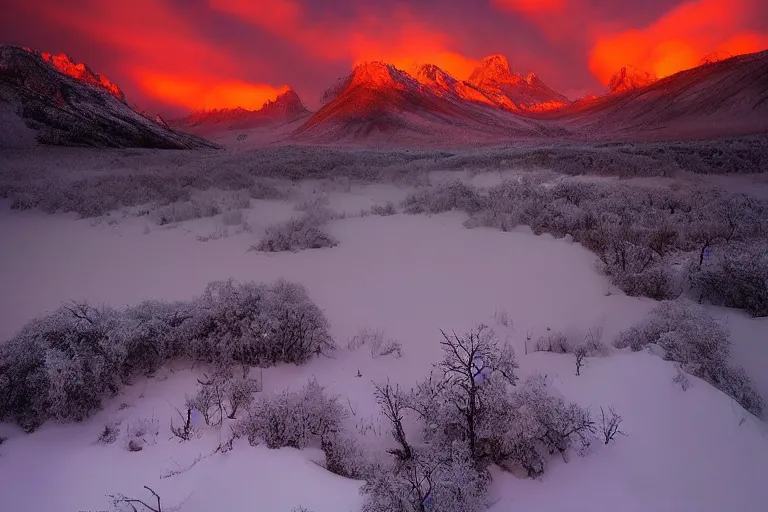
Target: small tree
184	431
392	403
610	425
581	353
468	361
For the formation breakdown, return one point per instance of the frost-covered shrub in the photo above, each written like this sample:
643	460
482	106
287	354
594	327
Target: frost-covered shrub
109	433
737	278
445	480
292	419
266	189
208	203
183	211
657	281
555	342
699	343
456	404
374	339
239	392
154	334
257	324
209	401
295	234
344	456
384	210
532	424
62	365
455	195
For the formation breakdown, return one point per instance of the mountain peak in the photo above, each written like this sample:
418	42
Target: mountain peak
494	68
376	74
287	104
432	75
80	71
630	78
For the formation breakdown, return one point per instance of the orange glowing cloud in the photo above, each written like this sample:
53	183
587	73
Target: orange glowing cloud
396	37
161	54
531	6
679	40
201	93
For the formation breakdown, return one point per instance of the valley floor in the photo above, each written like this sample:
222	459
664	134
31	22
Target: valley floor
410	276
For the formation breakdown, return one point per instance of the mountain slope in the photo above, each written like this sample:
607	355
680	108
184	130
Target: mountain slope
286	108
74	107
724	98
380	102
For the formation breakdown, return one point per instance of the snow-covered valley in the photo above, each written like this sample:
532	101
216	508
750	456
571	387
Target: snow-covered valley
408	276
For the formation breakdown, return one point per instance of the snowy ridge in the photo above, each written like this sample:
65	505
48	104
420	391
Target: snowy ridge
286	108
381	104
75	111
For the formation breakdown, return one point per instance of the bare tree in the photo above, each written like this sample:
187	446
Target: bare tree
120	501
183	432
581	353
468	360
610	424
392	403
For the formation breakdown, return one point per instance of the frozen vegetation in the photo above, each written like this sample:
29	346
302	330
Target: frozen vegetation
477	330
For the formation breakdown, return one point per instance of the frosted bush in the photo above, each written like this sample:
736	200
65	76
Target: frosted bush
292	419
700	344
183	211
737	278
208	203
344	456
153	335
444	480
62	365
555	342
296	234
374	339
444	197
266	189
257	324
384	210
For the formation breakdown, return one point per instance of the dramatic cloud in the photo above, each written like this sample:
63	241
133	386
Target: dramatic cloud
680	39
161	53
394	36
532	6
180	55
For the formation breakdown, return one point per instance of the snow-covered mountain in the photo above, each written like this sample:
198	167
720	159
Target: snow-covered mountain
286	108
378	100
83	73
512	91
53	100
718	99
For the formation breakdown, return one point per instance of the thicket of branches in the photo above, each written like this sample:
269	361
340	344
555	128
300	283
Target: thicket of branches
63	364
699	344
650	242
473	413
296	234
58	180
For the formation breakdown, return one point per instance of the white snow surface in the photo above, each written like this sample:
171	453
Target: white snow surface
694	451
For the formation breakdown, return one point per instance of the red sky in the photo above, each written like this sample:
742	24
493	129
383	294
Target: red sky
172	56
